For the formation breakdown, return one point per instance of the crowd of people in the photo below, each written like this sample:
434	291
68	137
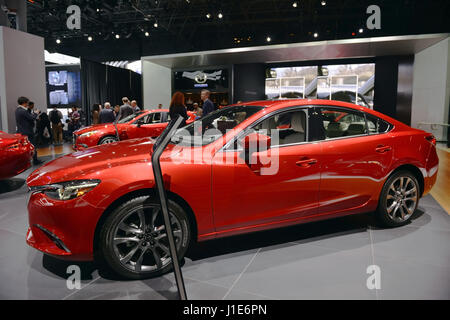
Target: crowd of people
43	129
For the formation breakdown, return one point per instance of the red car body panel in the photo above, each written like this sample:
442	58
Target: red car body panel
16	153
228	199
129	130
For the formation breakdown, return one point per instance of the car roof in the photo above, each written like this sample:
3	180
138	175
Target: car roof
272	105
156	110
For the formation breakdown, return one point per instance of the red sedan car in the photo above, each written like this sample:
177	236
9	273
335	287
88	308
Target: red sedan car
16	153
100	203
148	123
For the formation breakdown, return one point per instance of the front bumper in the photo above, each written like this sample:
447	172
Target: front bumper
63	229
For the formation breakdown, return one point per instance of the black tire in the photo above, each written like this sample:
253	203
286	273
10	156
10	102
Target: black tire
107	139
387	212
127	216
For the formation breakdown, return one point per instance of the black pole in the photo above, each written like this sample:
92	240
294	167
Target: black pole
158	149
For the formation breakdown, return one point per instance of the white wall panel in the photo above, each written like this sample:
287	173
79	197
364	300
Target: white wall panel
22	73
157	85
431	87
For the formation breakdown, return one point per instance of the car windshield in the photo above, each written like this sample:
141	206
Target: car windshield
214	125
130	117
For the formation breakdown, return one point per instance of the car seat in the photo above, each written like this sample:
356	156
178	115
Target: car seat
298	123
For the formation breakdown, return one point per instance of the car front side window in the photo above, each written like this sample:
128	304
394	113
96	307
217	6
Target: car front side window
284	128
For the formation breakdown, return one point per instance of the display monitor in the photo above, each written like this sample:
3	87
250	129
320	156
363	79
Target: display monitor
63	85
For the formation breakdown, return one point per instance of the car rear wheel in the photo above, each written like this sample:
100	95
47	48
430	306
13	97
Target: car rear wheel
399	199
133	239
108	139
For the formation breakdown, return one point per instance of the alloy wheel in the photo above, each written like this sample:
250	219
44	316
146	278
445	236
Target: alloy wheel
140	240
401	199
109	140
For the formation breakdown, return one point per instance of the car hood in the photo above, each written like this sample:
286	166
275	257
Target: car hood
89	163
107	126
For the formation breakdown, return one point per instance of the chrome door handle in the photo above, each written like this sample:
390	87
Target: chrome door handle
383	149
304	163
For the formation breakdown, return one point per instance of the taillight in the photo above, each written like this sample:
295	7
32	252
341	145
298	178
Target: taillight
432	139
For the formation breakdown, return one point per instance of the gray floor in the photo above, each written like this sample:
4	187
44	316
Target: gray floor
324	260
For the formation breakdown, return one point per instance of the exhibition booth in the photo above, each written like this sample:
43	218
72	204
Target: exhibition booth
320	171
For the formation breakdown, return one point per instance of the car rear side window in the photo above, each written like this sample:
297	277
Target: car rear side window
342	123
377	125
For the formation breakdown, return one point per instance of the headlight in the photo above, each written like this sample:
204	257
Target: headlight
67	190
88	134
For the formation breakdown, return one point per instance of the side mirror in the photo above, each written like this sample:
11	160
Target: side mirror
140	122
254	143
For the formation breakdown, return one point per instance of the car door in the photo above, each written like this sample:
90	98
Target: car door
354	162
149	126
287	190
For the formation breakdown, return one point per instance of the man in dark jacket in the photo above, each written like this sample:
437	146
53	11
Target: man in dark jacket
106	114
208	106
25	123
125	109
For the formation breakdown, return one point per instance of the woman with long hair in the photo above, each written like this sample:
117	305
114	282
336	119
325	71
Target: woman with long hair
95	113
177	107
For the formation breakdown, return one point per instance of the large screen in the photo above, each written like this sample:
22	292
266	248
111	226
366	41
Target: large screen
344	82
201	79
63	85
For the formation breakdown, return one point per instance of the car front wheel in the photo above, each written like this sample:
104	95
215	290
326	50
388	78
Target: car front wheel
106	140
399	199
133	239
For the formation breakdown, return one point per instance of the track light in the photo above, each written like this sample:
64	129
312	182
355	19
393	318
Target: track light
361	30
155	24
316	34
295	4
268	39
89	38
147	34
208	15
117	36
323	3
58	41
220	15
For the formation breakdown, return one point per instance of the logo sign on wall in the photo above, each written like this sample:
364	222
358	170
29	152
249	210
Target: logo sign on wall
211	79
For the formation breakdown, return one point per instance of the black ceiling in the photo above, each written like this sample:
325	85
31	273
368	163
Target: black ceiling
183	24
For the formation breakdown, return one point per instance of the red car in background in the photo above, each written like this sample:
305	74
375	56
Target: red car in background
16	154
149	123
101	203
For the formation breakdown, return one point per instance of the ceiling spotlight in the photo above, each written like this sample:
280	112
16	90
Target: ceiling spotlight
58	41
361	30
295	4
220	15
155	24
316	34
117	36
147	34
208	15
323	3
89	38
98	10
268	39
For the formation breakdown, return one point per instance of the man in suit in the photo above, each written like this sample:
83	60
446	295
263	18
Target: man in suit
106	114
208	106
135	107
25	120
125	109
